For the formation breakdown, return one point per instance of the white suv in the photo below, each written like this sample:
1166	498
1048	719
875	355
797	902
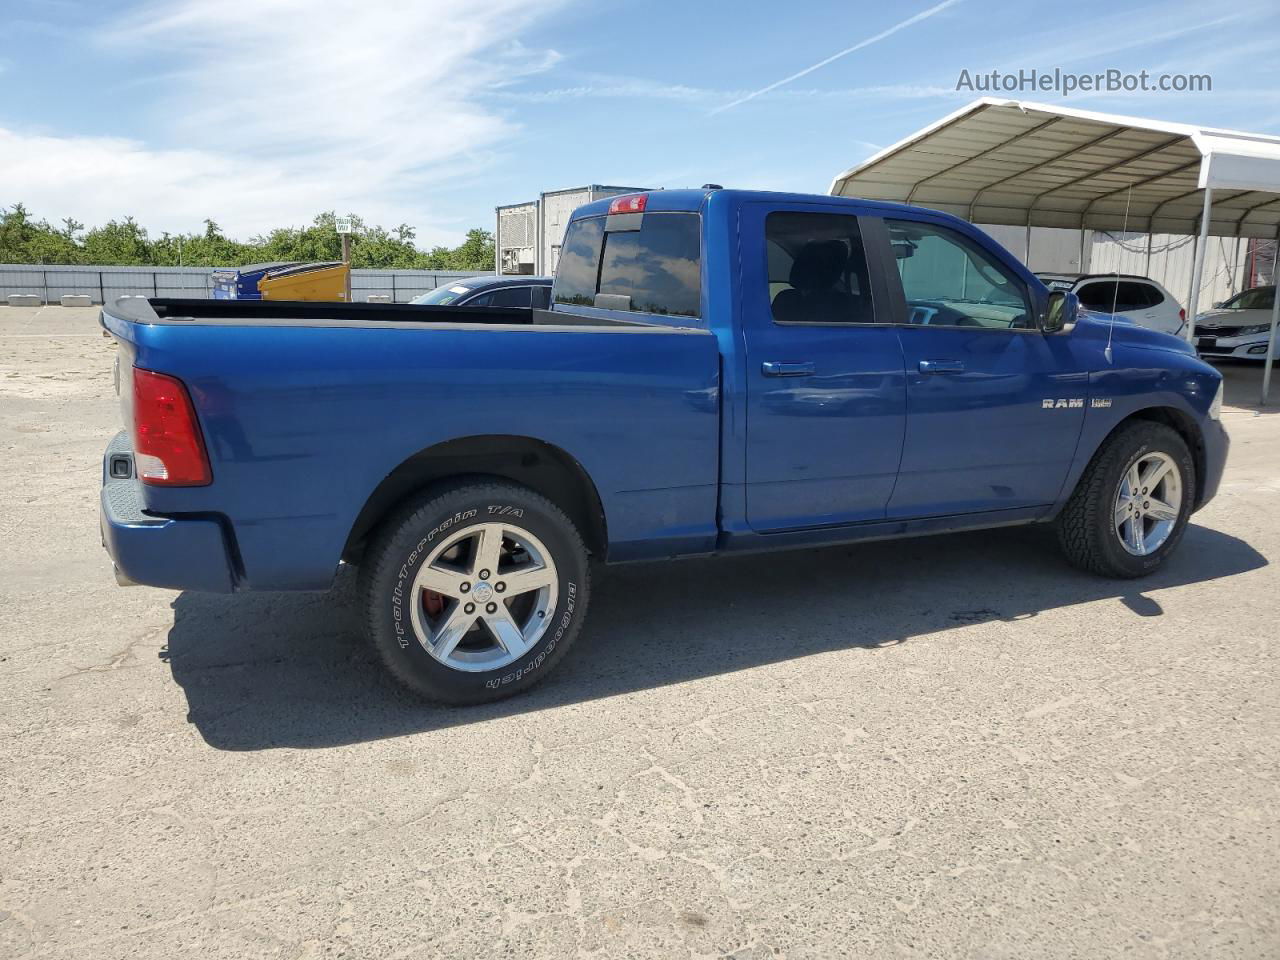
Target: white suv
1139	300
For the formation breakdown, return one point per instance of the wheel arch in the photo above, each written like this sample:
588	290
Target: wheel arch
542	467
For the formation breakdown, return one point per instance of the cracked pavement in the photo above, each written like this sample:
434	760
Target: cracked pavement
952	747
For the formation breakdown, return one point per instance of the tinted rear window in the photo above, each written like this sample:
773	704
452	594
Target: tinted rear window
657	266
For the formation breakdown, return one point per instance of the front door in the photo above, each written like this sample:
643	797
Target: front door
826	391
994	407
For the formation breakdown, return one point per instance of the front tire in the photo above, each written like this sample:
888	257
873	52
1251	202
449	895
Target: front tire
1131	506
474	592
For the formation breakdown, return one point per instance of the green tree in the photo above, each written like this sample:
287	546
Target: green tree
23	240
209	249
120	242
376	248
475	253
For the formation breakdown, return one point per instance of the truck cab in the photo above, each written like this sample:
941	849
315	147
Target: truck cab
882	363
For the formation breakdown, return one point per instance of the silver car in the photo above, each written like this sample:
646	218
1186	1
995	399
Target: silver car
1237	328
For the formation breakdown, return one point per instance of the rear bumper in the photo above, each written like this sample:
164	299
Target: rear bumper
177	553
1216	445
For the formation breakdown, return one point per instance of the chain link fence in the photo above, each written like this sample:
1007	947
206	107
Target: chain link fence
103	284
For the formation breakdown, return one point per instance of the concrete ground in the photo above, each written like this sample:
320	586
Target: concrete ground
956	747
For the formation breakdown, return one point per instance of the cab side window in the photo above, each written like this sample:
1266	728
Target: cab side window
817	269
950	281
509	297
578	263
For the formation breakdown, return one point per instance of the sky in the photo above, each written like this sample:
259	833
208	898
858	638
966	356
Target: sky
262	113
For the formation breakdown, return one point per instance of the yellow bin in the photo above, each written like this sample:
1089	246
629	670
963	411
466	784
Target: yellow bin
306	281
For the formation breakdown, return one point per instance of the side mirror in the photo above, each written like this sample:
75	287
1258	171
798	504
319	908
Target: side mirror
1060	311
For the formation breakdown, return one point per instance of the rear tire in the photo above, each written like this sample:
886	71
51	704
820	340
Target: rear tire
474	592
1112	530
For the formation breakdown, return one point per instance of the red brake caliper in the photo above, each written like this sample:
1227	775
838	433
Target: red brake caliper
433	602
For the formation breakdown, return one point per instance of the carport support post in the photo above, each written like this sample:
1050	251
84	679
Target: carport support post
1275	316
346	261
1196	270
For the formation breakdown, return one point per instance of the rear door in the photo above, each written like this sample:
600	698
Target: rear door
994	407
1158	312
826	391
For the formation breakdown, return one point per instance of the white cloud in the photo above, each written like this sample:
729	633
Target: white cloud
860	45
624	88
282	108
605	87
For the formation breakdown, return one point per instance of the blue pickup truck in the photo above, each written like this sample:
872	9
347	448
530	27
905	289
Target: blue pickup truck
719	371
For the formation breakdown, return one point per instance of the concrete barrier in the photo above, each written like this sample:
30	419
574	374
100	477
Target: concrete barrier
379	298
77	300
25	300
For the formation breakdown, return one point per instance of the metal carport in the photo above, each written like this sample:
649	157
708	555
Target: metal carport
1017	163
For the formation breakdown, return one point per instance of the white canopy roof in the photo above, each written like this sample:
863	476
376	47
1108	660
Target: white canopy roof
1019	163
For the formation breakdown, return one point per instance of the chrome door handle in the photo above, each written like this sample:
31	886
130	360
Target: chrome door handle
776	368
941	366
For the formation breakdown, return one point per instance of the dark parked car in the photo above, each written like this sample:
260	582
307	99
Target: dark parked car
491	292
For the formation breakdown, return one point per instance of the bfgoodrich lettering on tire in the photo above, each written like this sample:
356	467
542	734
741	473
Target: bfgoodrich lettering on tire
474	592
1130	508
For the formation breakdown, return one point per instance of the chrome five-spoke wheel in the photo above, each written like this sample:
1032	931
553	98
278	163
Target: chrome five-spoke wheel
484	596
1147	503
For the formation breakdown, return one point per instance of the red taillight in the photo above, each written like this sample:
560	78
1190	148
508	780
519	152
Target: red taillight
167	447
631	204
1182	315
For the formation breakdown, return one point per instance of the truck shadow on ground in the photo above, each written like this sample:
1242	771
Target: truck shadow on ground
291	670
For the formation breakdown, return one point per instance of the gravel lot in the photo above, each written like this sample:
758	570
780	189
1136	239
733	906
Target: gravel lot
955	747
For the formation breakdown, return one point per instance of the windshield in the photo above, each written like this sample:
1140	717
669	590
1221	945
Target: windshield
1259	298
442	295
